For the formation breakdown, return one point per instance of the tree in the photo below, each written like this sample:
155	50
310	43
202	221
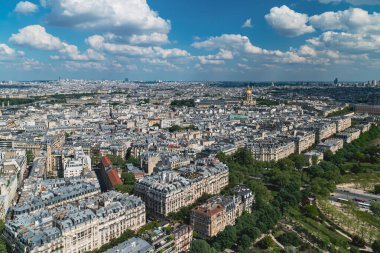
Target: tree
128	178
377	189
311	211
3	247
124	188
375	208
354	249
228	237
376	246
266	243
201	246
29	156
245	241
185	102
290	249
262	194
117	160
133	160
289	239
300	161
358	241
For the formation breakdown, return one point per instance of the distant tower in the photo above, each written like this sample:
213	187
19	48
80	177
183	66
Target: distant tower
336	81
249	100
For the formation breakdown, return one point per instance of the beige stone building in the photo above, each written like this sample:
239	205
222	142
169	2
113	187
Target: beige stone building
168	191
349	135
148	161
326	130
183	236
273	149
333	145
303	140
342	123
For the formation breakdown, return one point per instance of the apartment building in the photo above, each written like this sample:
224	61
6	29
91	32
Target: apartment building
51	193
302	139
218	212
349	135
333	145
272	149
168	191
342	123
183	236
78	227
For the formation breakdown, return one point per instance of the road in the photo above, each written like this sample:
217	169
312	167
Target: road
350	194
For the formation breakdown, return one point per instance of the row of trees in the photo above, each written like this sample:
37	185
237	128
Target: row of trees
129	181
290	180
349	220
184	102
268	209
177	128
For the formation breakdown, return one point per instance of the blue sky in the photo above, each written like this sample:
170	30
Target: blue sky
256	40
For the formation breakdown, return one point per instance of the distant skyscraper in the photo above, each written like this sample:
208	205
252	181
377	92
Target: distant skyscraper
336	81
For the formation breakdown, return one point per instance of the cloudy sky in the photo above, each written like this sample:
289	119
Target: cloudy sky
257	40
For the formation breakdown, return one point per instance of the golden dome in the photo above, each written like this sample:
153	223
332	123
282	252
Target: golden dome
249	91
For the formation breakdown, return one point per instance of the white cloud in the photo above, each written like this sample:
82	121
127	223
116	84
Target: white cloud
347	42
149	39
32	64
241	45
218	58
101	43
8	53
247	23
117	16
230	42
352	20
25	7
353	2
204	61
35	36
288	22
307	51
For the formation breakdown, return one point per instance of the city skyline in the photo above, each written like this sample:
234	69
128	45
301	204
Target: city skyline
179	40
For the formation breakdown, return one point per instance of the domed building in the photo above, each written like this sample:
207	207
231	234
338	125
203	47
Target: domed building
249	99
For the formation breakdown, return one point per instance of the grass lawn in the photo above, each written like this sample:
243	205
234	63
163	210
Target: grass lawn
367	217
371	177
370	166
326	236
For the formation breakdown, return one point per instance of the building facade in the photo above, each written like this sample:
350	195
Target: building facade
272	149
78	227
168	191
218	212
